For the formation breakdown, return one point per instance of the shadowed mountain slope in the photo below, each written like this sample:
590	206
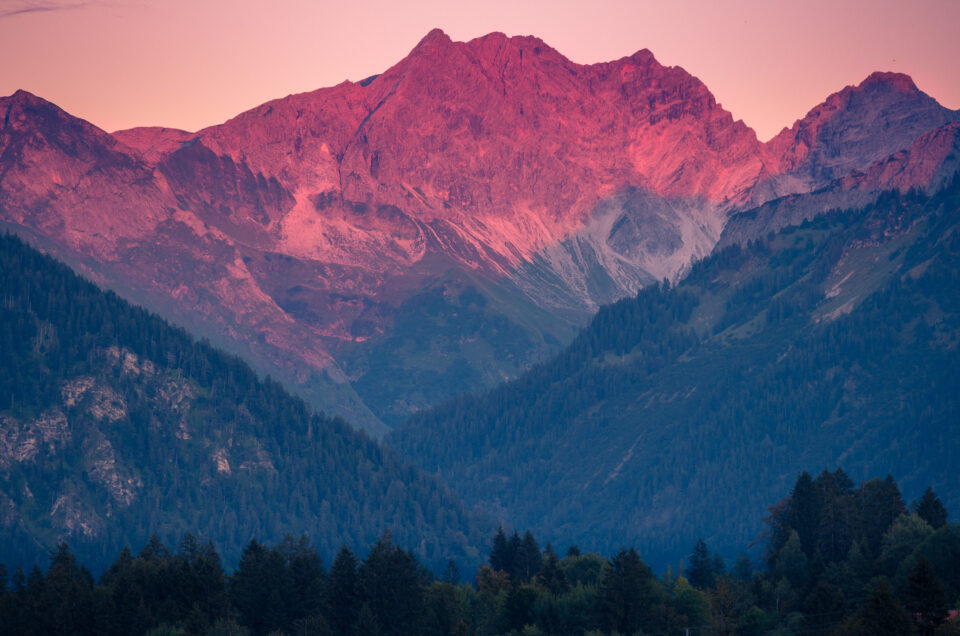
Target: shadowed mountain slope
834	342
115	425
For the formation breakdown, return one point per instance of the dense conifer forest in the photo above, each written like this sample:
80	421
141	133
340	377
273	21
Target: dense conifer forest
117	426
839	559
676	412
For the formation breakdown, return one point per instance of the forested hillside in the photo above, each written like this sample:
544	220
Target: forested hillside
115	425
676	412
840	559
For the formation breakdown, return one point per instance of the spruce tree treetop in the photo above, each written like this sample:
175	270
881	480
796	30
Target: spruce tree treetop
931	509
699	572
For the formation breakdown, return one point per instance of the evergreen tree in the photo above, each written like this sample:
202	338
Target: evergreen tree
839	524
804	512
528	558
699	571
719	567
66	596
343	599
367	624
842	481
451	574
792	563
390	585
305	575
743	568
903	537
881	615
251	586
518	609
514	546
552	576
501	556
925	597
823	608
880	505
931	509
444	614
199	583
626	592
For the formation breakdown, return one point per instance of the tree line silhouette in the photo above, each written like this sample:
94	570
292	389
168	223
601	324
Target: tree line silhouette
838	559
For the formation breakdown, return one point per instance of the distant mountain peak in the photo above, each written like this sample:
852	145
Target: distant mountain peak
900	81
22	99
644	56
843	133
435	38
21	95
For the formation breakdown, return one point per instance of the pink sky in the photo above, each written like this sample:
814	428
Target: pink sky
191	63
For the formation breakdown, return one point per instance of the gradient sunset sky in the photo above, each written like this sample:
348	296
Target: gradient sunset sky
191	63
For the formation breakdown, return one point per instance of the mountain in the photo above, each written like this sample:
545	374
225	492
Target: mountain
383	245
857	127
115	426
833	342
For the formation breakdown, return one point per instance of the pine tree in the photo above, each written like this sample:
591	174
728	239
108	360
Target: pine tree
931	509
551	574
343	593
700	569
250	587
366	625
518	609
881	615
743	568
305	574
67	596
625	592
390	584
528	558
792	563
925	597
804	512
501	557
823	608
514	545
880	505
451	574
842	481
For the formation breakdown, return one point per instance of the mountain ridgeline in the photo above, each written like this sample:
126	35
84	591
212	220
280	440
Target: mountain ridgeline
380	246
835	341
116	426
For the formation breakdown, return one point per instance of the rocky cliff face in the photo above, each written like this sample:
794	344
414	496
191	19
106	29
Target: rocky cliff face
317	233
79	429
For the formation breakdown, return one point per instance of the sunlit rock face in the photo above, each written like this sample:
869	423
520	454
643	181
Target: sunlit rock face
316	233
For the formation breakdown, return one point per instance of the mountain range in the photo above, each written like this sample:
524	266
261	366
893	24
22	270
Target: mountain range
380	246
830	343
583	298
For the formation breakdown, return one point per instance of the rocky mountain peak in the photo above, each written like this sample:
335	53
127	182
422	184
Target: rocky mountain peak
899	81
435	37
858	126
